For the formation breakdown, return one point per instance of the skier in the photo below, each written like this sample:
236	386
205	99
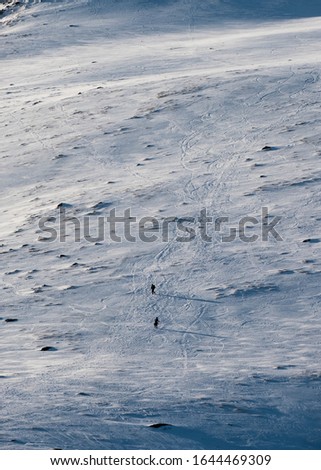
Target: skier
156	322
153	288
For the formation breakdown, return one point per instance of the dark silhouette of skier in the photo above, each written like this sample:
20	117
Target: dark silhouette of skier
153	288
156	322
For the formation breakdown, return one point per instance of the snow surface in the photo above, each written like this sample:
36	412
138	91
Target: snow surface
162	107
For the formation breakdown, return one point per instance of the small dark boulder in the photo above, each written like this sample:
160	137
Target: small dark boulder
312	240
159	425
269	148
64	205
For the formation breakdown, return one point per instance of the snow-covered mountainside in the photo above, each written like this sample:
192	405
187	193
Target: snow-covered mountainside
198	125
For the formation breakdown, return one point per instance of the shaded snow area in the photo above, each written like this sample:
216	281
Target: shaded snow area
199	127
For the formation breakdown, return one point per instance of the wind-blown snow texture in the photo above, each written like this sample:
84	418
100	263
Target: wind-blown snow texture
163	107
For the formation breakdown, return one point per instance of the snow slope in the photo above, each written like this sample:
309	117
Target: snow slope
164	108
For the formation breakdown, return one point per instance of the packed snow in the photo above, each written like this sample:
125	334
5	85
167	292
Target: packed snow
160	112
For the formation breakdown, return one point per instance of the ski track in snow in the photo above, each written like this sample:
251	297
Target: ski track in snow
102	109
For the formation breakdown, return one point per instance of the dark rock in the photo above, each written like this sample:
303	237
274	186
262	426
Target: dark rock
159	425
11	320
268	148
48	348
63	205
